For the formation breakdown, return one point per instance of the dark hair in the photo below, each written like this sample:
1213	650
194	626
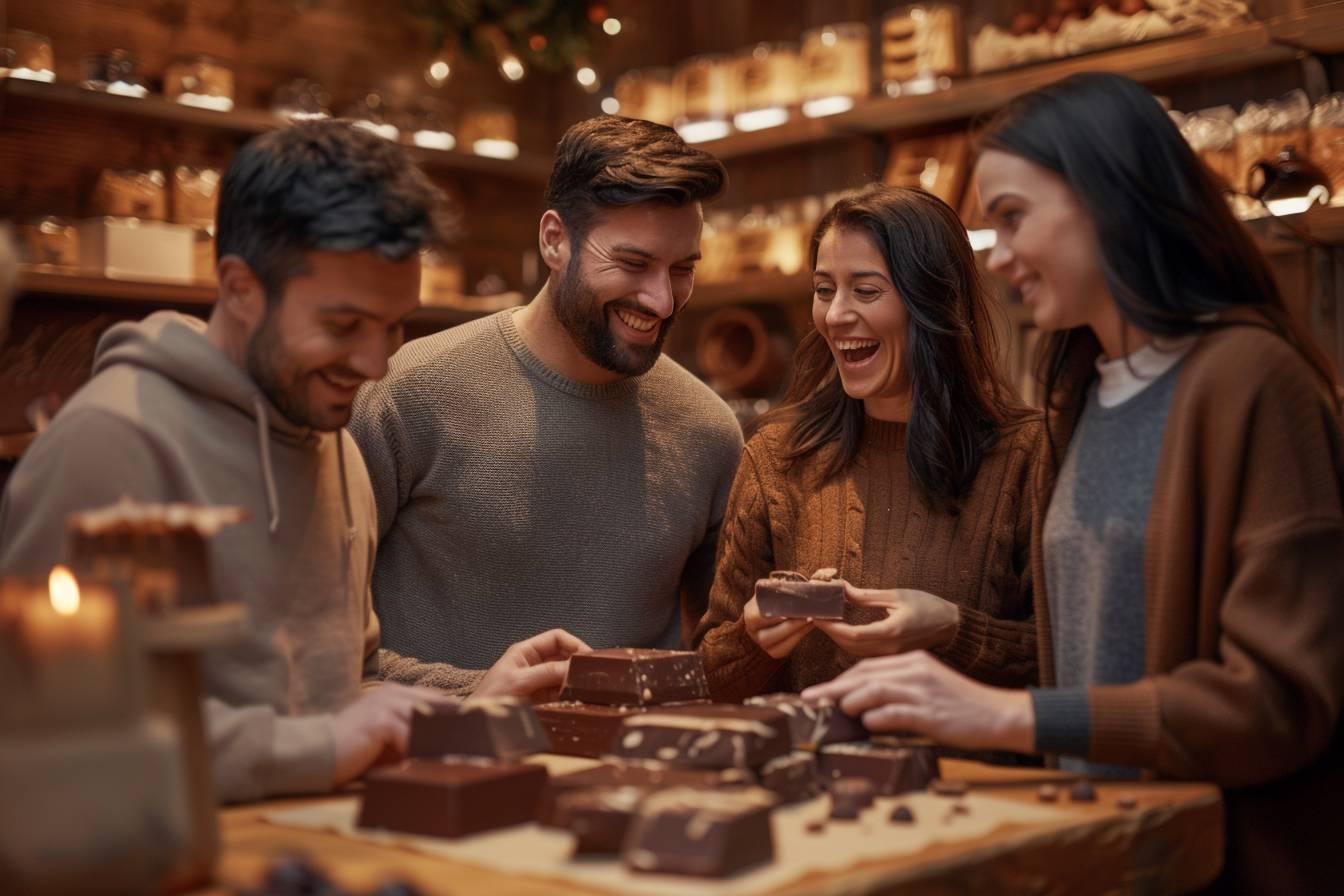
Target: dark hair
323	185
960	400
608	161
1172	253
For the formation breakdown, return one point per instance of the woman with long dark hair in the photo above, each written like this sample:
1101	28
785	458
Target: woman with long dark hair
1189	561
898	457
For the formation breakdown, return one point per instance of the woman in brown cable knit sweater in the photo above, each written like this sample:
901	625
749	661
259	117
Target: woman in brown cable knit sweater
898	456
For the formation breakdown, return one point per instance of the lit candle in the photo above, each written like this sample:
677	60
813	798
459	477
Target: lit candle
68	623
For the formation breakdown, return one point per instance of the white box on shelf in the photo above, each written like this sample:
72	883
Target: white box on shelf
135	249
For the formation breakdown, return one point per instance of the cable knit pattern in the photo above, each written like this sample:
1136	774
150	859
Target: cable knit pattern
872	524
512	500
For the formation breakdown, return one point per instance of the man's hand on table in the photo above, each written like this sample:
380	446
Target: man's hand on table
915	692
377	726
532	668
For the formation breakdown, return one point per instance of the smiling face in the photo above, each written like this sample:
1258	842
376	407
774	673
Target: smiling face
1047	243
333	330
857	310
618	297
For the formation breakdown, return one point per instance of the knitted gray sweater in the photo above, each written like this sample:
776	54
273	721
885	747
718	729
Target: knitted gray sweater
512	499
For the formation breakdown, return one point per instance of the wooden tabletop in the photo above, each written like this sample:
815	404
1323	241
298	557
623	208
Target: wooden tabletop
1171	842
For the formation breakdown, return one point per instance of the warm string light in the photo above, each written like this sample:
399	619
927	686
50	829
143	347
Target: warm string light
64	591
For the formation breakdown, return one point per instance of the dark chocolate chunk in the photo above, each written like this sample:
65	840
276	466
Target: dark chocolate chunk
850	796
642	775
504	728
450	799
943	787
789	595
792	778
815	826
1127	801
583	729
811	726
626	676
600	817
892	770
1082	791
1047	793
294	876
712	736
901	815
705	833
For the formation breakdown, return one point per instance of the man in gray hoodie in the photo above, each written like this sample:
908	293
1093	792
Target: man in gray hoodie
319	231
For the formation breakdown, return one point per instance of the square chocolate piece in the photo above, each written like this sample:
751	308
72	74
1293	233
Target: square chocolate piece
450	799
892	770
648	776
583	729
598	817
717	735
704	833
811	726
792	778
627	676
791	595
504	728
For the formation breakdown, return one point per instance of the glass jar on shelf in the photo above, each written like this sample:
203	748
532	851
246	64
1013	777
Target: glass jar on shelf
200	81
922	49
433	126
27	55
49	241
647	93
370	112
301	100
834	68
114	71
767	85
490	130
703	87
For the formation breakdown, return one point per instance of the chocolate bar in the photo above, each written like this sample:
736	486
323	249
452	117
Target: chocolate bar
792	778
717	735
791	595
647	776
627	676
704	833
811	725
450	799
583	729
504	728
850	796
892	770
598	817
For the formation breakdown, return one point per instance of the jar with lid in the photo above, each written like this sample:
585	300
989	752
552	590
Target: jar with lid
834	68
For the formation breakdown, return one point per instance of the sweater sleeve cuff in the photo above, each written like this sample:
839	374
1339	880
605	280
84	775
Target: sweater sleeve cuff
1126	722
303	755
963	651
1063	720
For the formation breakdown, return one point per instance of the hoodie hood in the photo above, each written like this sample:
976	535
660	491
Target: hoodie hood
175	346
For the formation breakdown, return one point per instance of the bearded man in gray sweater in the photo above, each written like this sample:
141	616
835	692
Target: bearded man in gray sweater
549	466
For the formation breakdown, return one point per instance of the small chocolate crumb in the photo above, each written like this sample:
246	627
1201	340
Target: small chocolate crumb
961	809
816	826
1083	792
949	788
1047	793
1128	801
902	814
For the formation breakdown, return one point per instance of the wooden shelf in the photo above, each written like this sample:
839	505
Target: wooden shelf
17	91
1164	61
37	281
1317	30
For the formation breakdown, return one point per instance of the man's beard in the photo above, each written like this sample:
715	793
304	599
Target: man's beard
263	353
584	317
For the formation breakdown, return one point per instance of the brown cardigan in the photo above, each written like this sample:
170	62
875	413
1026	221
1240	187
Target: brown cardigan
871	524
1244	591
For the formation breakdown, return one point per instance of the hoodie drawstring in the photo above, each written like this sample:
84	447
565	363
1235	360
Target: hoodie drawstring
267	473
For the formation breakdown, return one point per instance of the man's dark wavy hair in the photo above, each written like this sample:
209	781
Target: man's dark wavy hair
323	186
610	162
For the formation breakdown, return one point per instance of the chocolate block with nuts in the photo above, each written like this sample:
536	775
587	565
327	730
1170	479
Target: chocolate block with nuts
791	595
627	676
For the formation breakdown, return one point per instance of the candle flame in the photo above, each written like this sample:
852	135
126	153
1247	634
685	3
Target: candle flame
64	591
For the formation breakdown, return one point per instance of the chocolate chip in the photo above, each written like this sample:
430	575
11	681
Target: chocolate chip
961	809
1128	801
902	814
816	826
1083	792
1047	793
949	788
